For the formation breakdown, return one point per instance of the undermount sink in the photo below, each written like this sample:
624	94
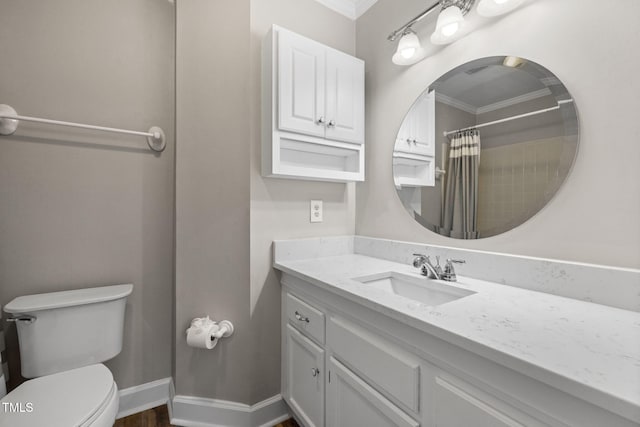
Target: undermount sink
419	289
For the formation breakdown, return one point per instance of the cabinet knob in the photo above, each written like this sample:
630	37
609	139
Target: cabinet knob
331	123
315	372
320	121
301	318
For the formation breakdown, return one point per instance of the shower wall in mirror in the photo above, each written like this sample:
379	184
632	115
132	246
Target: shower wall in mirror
485	147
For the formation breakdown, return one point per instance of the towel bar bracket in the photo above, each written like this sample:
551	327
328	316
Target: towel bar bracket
7	126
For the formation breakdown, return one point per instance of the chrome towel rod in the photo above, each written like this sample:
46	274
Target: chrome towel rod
9	120
508	119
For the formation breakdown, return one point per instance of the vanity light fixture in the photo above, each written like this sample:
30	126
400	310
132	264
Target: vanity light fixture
490	8
449	24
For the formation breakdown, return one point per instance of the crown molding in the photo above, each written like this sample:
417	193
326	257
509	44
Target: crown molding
456	103
513	101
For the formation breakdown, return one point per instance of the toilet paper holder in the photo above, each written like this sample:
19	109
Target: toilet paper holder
205	333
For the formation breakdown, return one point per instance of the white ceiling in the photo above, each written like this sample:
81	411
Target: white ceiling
489	85
350	8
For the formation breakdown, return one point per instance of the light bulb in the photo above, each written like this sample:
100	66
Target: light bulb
450	29
408	53
449	23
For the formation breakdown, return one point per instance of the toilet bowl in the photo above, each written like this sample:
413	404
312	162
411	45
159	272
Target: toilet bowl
82	397
63	337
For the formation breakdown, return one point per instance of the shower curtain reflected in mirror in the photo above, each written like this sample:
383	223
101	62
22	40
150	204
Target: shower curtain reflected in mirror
460	201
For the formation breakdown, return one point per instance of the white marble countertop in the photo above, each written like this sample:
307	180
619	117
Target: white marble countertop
561	341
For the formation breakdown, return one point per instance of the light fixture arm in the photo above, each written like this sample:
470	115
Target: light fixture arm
398	33
464	5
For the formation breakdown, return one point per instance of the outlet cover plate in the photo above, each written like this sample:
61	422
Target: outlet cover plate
315	211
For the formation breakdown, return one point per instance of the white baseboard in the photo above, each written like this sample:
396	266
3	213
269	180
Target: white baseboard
144	396
188	411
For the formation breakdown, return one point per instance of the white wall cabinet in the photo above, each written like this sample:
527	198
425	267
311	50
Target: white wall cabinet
377	372
313	110
414	150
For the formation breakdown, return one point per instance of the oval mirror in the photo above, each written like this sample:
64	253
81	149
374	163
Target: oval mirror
485	147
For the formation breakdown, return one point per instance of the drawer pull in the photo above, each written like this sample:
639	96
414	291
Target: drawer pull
315	372
301	318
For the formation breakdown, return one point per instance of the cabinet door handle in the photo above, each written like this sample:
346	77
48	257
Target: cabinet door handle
331	123
301	318
315	372
320	121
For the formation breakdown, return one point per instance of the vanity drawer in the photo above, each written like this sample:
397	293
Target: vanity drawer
384	364
306	318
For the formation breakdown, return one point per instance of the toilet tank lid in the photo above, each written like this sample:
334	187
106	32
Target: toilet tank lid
51	300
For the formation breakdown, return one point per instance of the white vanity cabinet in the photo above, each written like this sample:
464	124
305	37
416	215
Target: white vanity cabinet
368	382
376	371
313	110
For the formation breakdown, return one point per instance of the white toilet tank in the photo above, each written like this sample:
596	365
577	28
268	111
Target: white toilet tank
70	329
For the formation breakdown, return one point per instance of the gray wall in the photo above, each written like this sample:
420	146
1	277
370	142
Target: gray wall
212	194
593	218
280	207
81	208
222	269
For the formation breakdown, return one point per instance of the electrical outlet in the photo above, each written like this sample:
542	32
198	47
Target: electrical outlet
315	211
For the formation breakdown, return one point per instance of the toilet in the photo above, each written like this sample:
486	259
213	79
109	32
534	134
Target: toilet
64	337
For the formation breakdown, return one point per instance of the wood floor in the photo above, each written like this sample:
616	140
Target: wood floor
289	423
155	417
159	417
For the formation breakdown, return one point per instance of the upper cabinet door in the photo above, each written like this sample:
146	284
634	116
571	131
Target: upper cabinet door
424	124
345	97
301	84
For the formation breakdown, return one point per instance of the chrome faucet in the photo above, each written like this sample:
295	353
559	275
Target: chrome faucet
423	262
426	268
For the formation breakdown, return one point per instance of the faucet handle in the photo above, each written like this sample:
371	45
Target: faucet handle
419	260
449	272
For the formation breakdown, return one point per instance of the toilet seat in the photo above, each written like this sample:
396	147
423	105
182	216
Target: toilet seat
80	397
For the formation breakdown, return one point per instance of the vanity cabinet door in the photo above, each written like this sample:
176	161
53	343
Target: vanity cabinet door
458	404
352	402
304	390
301	84
345	97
